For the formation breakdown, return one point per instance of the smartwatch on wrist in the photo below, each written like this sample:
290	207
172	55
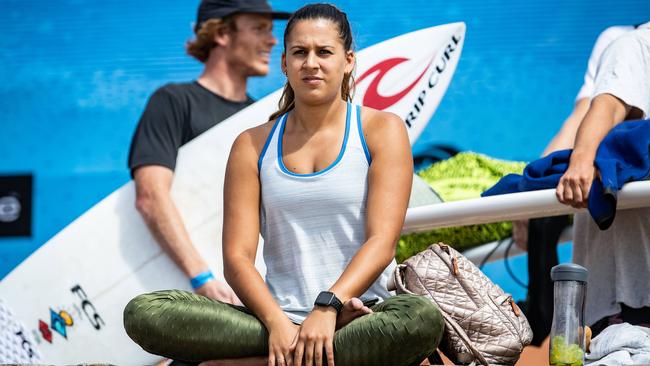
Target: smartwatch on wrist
326	298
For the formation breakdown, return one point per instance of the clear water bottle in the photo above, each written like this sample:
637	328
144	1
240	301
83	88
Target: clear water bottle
568	329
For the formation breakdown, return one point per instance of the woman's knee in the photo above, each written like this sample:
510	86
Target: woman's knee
141	313
423	315
402	330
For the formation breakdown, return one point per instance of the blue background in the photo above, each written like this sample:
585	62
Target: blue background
76	75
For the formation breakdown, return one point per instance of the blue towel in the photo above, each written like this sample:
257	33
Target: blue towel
623	156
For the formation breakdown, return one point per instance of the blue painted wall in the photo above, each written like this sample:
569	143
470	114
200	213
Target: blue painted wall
76	75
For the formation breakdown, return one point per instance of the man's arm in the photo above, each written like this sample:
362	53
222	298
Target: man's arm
567	134
565	137
152	159
153	201
622	92
605	112
562	140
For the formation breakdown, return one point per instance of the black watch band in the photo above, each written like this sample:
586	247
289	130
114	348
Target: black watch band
326	298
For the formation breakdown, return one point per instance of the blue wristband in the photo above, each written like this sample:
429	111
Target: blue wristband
201	279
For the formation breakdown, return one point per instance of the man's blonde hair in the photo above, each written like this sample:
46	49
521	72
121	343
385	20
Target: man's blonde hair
203	43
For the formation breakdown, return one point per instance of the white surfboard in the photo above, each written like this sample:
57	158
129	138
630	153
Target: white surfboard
71	292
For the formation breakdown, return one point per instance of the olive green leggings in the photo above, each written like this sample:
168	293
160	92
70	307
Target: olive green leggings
181	325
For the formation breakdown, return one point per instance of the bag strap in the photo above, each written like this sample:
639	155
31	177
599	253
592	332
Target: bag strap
464	338
399	280
442	251
401	287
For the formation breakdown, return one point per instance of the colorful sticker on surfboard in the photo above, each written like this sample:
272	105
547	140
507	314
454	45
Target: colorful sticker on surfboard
62	319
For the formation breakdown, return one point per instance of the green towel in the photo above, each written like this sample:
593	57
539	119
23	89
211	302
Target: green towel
463	176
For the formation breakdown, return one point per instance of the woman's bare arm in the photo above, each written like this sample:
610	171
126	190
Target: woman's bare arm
241	227
389	187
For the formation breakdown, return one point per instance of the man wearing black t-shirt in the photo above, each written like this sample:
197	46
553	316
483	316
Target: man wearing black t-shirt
233	40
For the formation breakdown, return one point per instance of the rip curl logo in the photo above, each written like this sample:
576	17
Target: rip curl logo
372	98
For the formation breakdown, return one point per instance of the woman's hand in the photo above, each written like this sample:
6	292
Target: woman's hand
316	333
282	342
573	188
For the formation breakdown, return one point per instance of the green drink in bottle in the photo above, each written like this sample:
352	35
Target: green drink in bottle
568	329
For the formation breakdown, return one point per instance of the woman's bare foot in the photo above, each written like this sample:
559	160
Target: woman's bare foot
352	309
249	361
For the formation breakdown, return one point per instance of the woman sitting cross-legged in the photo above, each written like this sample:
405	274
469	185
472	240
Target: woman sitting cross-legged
327	184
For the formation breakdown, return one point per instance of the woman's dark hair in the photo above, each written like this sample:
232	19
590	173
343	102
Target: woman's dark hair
336	16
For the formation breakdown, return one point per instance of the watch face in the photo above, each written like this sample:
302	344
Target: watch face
324	299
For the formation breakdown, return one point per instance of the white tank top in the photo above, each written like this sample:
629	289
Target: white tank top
313	224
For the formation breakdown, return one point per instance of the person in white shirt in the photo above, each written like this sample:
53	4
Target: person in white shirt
618	259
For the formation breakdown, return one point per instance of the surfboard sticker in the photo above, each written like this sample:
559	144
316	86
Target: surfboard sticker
411	81
71	292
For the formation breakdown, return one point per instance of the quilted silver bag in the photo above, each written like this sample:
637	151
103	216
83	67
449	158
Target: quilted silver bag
482	323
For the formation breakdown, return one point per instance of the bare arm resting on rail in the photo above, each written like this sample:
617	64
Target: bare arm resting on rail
621	93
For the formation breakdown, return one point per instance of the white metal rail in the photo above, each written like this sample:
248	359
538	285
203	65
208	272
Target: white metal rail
508	207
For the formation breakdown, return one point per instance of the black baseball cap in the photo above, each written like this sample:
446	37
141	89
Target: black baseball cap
211	9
